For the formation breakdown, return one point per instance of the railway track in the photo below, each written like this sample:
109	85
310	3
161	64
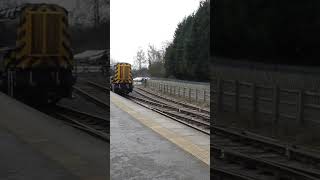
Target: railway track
232	165
169	100
192	111
259	159
189	115
196	120
238	155
283	162
92	124
272	152
98	86
168	111
98	96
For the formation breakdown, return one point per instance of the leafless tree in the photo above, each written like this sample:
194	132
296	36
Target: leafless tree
140	58
154	55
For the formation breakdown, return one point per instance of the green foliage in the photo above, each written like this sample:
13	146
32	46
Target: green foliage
156	69
268	31
143	72
187	57
155	62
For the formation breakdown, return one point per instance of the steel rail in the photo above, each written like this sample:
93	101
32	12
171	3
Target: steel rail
176	102
203	127
264	148
92	124
186	111
90	97
251	166
98	86
226	174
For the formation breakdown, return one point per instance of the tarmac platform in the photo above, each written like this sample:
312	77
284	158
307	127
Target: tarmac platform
146	145
35	146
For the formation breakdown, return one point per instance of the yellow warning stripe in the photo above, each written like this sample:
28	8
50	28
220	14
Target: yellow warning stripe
65	58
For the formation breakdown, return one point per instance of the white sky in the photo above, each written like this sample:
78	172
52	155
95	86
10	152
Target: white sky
138	23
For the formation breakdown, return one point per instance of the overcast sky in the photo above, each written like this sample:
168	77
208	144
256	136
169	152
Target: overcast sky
138	23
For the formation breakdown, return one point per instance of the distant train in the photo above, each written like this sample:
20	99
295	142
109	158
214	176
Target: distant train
121	81
38	66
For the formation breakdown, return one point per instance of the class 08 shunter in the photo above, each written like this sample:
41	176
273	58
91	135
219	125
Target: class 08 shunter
121	81
38	67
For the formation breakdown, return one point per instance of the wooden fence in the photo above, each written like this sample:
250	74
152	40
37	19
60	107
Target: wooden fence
270	104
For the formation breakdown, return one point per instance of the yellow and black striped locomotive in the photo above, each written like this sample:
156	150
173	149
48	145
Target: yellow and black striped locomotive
39	66
122	82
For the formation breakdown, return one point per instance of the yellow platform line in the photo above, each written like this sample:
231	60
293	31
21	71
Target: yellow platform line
185	144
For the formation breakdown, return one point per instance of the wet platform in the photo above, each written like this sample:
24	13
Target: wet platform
36	146
147	145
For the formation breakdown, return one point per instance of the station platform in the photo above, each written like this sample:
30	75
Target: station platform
147	145
36	146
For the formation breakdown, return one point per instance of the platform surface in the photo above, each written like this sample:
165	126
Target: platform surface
36	146
141	148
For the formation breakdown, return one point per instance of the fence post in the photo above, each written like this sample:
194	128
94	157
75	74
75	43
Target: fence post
179	91
219	95
236	96
190	94
184	92
254	104
300	107
275	109
196	95
275	104
174	90
164	88
204	95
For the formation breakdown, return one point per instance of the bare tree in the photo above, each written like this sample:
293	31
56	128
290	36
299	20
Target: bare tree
140	58
155	60
154	55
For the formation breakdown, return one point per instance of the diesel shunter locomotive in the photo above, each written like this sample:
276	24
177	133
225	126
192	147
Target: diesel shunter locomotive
121	82
38	65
